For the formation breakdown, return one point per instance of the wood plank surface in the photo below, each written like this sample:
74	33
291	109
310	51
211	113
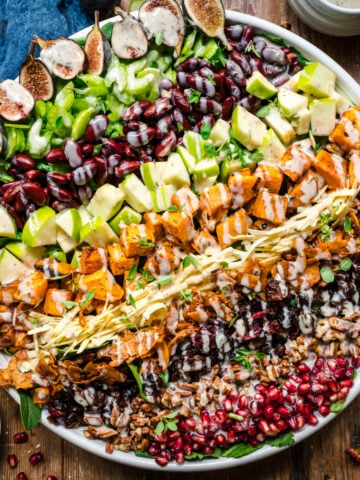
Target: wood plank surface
321	457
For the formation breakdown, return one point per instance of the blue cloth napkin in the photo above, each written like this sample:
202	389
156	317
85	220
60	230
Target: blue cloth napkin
21	19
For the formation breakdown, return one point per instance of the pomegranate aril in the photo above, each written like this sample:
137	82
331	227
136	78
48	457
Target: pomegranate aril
220	440
179	457
22	476
161	461
324	411
51	477
312	420
20	437
36	458
12	460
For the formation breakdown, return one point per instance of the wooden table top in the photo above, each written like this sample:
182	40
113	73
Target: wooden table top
321	457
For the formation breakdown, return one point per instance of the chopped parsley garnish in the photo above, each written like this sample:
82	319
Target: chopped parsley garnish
186	295
164	281
167	422
243	357
144	242
327	275
189	259
210	150
195	95
205	130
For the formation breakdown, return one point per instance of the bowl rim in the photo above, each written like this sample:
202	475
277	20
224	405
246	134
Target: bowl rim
347	86
336	8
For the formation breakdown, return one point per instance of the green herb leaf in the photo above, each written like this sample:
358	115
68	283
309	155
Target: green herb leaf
139	453
200	456
29	412
211	80
210	150
218	57
263	111
134	370
160	427
107	30
252	49
282	441
159	39
205	130
325	228
224	265
232	321
347	225
132	301
165	376
337	407
174	208
345	264
69	304
165	280
256	156
189	259
223	290
239	450
327	275
132	272
195	95
147	275
143	242
186	295
88	296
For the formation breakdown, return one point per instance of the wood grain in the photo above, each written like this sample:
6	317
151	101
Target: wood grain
319	458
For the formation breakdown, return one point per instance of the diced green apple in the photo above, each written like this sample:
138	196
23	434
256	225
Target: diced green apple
136	194
11	268
40	228
97	233
188	159
323	116
106	202
260	87
194	143
126	216
227	167
85	216
291	102
161	197
7	224
292	83
272	147
220	132
150	175
248	129
206	168
70	222
280	125
65	242
301	123
26	254
317	80
175	171
199	185
342	103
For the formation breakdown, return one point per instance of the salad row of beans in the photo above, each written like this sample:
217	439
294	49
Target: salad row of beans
151	130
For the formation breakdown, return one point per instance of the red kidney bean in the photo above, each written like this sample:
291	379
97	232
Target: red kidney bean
256	65
135	111
82	175
56	155
189	65
11	193
23	161
112	162
207	105
15	216
127	167
259	44
9	185
227	107
271	69
158	109
34	192
179	101
236	45
232	88
280	79
196	82
73	153
249	102
14	172
58	178
274	55
30	208
295	67
242	60
248	35
101	171
130	153
165	86
236	73
59	206
35	176
207	119
87	149
141	137
20	202
111	146
205	72
96	128
164	124
85	194
60	193
179	118
145	156
133	126
234	32
166	145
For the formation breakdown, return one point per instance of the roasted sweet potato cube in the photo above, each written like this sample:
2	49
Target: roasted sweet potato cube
7	292
179	225
204	240
54	301
250	281
6	314
346	134
103	284
214	204
32	289
118	262
163	261
186	199
92	259
155	222
354	167
229	230
271	177
270	206
242	188
52	268
304	191
295	162
332	168
137	239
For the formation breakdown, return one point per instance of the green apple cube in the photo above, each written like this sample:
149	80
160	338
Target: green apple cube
40	228
220	132
76	258
323	116
291	102
106	202
70	222
247	128
85	216
228	167
126	216
342	103
175	171
317	80
150	175
161	197
272	148
260	87
194	143
301	123
97	233
280	125
26	254
7	224
65	242
292	83
136	194
188	159
11	268
206	168
199	185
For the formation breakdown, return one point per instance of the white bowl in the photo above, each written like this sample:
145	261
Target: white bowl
348	87
325	17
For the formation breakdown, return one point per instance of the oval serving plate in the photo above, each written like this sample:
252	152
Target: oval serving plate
349	88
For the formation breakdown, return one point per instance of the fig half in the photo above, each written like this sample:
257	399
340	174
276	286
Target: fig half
209	16
128	39
35	77
62	56
16	102
97	49
165	19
